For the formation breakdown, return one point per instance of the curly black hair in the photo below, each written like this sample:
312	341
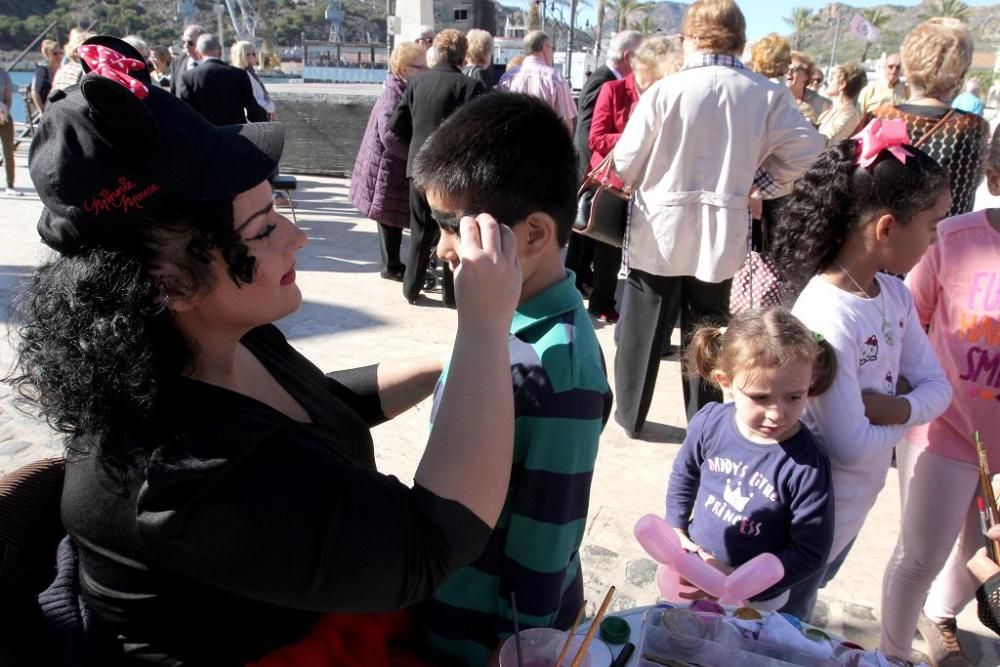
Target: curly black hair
836	196
97	340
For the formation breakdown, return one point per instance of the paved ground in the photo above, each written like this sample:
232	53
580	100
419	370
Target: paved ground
351	317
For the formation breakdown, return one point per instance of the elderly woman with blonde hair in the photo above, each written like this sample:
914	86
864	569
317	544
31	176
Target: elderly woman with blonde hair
379	188
243	55
936	56
479	57
771	56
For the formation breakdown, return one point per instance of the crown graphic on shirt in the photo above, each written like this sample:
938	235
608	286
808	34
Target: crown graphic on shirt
735	497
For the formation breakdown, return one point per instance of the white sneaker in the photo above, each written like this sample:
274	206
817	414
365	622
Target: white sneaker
11	192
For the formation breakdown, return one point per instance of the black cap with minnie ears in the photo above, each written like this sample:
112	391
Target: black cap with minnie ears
111	151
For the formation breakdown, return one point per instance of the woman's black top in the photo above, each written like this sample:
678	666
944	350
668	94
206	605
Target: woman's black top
237	527
988	597
41	82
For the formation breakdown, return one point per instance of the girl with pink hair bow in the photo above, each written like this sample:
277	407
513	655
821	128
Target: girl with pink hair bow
869	204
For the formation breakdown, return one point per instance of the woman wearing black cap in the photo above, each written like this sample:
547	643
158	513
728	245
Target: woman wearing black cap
221	491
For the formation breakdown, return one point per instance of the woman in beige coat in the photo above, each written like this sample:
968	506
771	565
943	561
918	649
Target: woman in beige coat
698	146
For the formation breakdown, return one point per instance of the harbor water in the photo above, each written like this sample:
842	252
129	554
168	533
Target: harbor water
21	80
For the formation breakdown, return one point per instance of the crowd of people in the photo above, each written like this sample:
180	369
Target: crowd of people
221	494
219	91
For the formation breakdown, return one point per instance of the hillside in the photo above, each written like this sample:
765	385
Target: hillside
984	23
364	20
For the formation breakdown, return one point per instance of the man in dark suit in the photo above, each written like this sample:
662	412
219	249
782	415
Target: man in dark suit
188	58
219	92
428	100
582	251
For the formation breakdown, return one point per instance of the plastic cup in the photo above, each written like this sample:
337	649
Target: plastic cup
540	647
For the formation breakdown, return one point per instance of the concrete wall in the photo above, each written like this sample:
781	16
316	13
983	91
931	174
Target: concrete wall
324	125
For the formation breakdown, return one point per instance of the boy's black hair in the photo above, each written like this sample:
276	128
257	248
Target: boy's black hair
506	154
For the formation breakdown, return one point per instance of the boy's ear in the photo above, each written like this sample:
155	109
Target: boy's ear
993	181
539	232
884	226
721	379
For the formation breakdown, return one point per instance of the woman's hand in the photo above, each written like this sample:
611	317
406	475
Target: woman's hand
981	565
488	277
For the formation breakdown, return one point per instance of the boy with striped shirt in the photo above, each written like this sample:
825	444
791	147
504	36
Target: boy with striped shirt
509	157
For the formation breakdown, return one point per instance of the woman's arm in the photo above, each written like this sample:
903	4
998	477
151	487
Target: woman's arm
404	383
287	521
603	132
791	143
392	143
468	455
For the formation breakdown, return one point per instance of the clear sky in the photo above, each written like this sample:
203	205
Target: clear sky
764	16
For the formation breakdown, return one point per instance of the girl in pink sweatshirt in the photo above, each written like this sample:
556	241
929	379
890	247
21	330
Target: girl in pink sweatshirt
956	291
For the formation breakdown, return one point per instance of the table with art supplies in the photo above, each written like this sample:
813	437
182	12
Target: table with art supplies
703	633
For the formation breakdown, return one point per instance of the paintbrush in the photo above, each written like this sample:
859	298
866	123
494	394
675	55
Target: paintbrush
578	658
985	479
517	629
569	635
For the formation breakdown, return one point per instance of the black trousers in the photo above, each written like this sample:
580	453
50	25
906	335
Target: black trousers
424	235
584	251
640	343
390	239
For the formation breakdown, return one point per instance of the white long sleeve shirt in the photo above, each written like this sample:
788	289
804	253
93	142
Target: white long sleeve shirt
860	452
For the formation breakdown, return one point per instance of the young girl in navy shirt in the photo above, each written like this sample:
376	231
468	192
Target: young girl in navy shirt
749	478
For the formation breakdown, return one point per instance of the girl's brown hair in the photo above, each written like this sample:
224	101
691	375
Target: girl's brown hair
761	339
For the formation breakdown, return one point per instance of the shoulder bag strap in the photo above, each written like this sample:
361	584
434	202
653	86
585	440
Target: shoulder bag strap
927	135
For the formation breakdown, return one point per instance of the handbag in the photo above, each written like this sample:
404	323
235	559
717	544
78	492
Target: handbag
602	206
758	283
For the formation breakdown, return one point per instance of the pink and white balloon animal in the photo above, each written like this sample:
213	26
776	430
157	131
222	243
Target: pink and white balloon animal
664	546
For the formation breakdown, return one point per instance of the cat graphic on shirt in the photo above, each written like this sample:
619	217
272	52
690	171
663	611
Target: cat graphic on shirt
888	385
869	351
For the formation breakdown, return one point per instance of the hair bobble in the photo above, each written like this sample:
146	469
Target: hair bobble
818	336
881	135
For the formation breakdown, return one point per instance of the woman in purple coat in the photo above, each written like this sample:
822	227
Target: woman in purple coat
378	184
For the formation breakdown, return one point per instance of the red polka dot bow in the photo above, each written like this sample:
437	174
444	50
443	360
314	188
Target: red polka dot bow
881	135
112	65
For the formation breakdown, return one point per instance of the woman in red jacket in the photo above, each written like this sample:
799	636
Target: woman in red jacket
655	58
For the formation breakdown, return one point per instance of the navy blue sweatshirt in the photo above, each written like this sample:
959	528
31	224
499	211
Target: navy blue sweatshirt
737	498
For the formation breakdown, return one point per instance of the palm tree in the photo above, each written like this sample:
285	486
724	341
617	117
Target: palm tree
599	29
626	7
534	17
955	9
647	26
878	19
800	21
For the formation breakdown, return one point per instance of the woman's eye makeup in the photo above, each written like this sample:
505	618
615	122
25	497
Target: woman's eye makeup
268	228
